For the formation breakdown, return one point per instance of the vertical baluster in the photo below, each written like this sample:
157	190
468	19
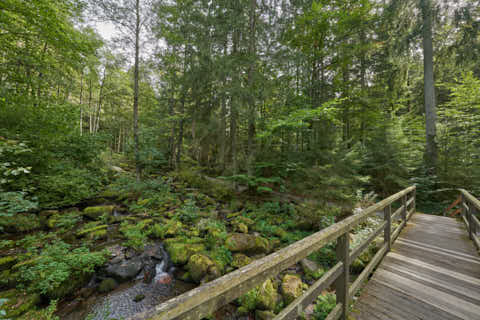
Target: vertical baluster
341	284
387	214
473	225
405	209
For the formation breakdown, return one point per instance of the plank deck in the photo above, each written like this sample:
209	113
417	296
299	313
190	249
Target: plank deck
432	272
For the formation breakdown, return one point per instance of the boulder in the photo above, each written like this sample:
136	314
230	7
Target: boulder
264	315
96	212
267	297
241	242
125	270
199	266
292	288
240	260
107	285
180	252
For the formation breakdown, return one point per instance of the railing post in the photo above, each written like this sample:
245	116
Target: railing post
470	221
341	284
473	225
405	209
414	200
387	214
463	211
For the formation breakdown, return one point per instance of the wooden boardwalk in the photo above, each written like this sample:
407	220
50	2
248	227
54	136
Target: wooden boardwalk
432	272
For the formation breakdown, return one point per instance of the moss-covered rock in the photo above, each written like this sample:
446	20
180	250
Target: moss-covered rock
264	315
168	228
241	242
180	251
199	266
267	297
107	285
7	262
241	227
93	233
240	260
17	303
96	212
292	288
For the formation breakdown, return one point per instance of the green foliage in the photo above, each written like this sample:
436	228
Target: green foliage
135	234
188	213
324	305
57	264
15	202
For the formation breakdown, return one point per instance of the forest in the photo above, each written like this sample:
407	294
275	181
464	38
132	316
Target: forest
201	135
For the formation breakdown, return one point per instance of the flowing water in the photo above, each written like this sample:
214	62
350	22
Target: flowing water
121	303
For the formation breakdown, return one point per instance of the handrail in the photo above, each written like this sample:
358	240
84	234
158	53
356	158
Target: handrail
206	299
469	207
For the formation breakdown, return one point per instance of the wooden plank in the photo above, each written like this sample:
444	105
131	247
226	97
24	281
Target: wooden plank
291	311
446	302
475	258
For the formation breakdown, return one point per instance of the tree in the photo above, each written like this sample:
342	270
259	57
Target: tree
429	85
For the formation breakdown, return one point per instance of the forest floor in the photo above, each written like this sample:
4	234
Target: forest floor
148	242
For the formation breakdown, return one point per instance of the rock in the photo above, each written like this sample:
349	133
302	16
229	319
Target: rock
17	303
309	266
154	251
96	212
180	252
139	297
264	315
267	296
91	233
240	242
107	285
7	262
241	227
149	269
199	266
240	260
292	287
126	270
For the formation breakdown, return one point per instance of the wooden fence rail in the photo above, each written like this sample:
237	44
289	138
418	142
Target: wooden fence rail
469	207
206	299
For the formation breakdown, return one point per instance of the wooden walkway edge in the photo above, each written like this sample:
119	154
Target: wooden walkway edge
431	272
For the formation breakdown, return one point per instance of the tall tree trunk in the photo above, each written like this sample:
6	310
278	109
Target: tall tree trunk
233	110
251	89
429	86
90	89
100	100
81	106
182	116
135	92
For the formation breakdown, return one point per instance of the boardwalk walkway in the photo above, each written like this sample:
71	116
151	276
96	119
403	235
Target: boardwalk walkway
432	272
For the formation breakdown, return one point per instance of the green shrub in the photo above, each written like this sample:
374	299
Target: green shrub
56	270
135	234
324	305
189	212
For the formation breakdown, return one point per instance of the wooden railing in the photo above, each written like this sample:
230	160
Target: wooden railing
206	299
469	207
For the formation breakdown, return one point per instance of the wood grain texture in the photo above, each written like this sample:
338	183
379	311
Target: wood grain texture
432	272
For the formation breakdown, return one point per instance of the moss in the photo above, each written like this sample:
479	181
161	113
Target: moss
181	251
199	266
240	242
241	227
264	315
96	212
17	302
7	262
267	297
97	235
292	288
169	228
248	302
240	260
107	285
88	231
